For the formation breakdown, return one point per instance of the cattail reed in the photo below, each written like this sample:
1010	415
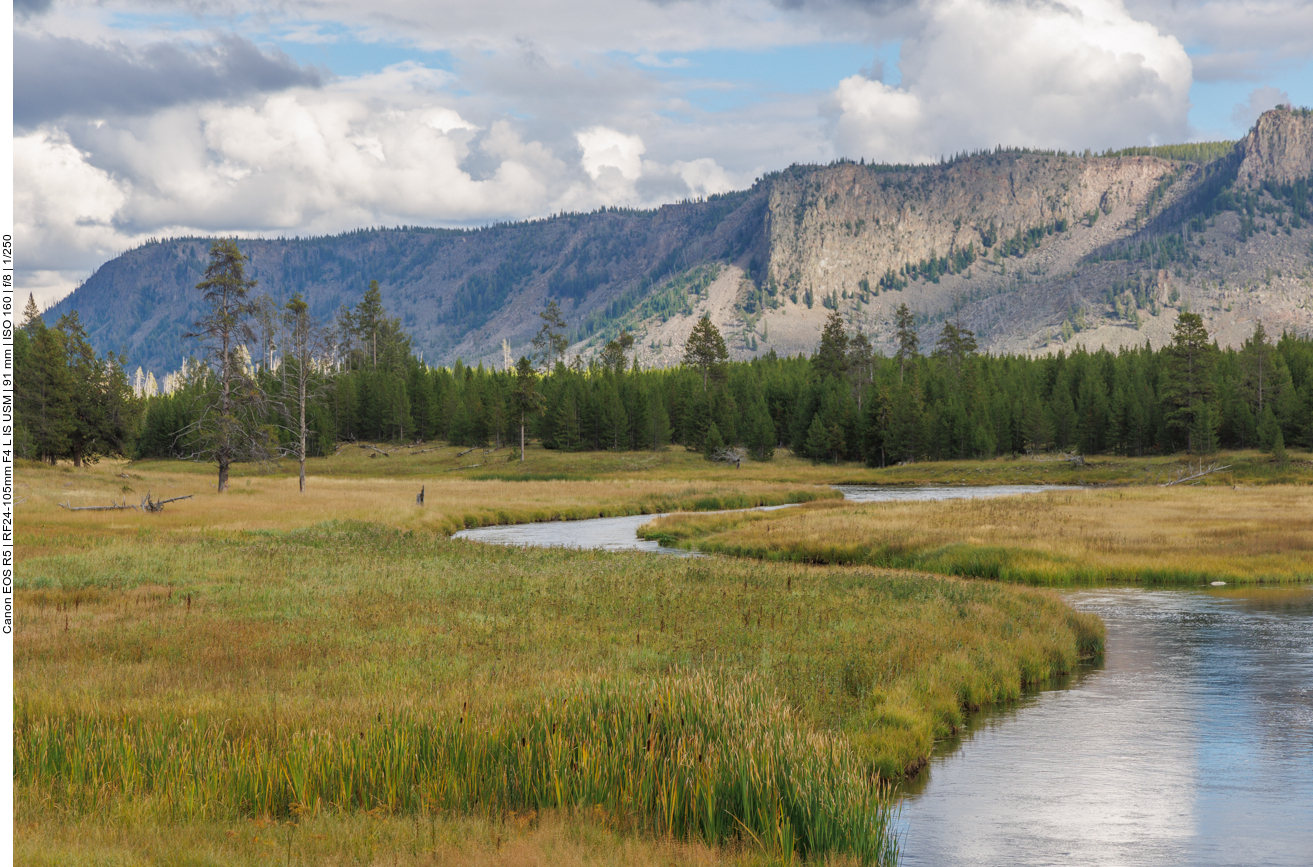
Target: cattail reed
696	757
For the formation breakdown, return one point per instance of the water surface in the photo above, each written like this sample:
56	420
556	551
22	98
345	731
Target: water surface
621	534
1192	744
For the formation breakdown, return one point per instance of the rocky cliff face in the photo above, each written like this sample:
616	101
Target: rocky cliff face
1032	251
1279	149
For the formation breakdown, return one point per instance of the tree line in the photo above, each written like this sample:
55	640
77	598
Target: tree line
319	384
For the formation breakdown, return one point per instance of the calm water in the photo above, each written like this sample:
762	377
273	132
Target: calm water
879	494
608	534
621	534
1192	744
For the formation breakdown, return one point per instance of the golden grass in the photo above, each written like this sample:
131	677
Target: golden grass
532	839
1176	535
277	616
258	501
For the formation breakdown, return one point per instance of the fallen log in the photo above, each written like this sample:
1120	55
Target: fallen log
150	505
114	506
1198	475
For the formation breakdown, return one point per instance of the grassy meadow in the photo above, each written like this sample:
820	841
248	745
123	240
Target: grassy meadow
1177	535
326	678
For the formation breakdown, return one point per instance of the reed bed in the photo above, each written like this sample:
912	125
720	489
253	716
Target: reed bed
1158	536
695	757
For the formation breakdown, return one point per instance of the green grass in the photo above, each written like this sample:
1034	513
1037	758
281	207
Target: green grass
692	757
192	678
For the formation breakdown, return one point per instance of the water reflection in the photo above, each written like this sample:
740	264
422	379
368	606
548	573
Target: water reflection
607	534
1192	744
621	534
884	494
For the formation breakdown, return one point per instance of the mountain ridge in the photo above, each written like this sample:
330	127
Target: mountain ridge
1034	251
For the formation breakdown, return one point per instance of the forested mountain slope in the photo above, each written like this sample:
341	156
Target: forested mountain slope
1032	251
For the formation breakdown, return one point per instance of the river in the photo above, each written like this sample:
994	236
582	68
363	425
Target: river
621	534
1191	744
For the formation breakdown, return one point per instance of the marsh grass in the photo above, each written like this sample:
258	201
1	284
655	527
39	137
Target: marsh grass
211	674
1177	535
267	657
693	757
527	839
274	502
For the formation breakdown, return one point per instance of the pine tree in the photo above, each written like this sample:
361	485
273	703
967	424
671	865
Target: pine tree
550	343
705	350
228	426
908	342
526	400
1256	358
369	318
831	358
760	438
658	423
1188	375
43	391
1279	456
713	443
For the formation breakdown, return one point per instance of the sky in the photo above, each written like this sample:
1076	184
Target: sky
140	119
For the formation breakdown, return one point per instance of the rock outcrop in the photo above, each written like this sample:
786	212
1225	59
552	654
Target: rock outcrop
1278	149
1032	251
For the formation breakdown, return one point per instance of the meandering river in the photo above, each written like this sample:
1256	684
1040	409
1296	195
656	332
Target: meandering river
1191	744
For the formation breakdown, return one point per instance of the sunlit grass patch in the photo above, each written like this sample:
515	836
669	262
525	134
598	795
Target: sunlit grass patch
695	757
1134	535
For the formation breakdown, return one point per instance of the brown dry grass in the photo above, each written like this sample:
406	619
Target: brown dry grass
527	840
259	502
1177	535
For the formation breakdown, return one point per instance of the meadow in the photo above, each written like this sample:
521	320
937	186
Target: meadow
1177	535
262	676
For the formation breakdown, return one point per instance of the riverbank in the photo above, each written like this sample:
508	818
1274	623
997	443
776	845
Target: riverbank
1149	535
380	462
258	501
224	626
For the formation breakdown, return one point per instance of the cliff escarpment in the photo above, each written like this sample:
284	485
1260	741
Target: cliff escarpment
1033	251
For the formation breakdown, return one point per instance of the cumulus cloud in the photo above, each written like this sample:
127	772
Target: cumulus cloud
1239	39
1261	99
382	149
58	77
30	8
608	149
1064	74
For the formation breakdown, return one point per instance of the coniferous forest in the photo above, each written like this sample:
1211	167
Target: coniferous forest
843	403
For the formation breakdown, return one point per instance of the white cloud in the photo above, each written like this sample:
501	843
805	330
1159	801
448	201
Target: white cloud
65	207
1260	99
1065	74
1238	39
704	177
381	149
606	148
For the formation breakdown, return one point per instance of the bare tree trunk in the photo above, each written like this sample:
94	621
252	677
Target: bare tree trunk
223	474
301	382
521	439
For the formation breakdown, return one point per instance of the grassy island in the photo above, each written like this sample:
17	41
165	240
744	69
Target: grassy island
1148	535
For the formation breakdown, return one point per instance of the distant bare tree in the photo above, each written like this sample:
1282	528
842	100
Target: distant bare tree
305	340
